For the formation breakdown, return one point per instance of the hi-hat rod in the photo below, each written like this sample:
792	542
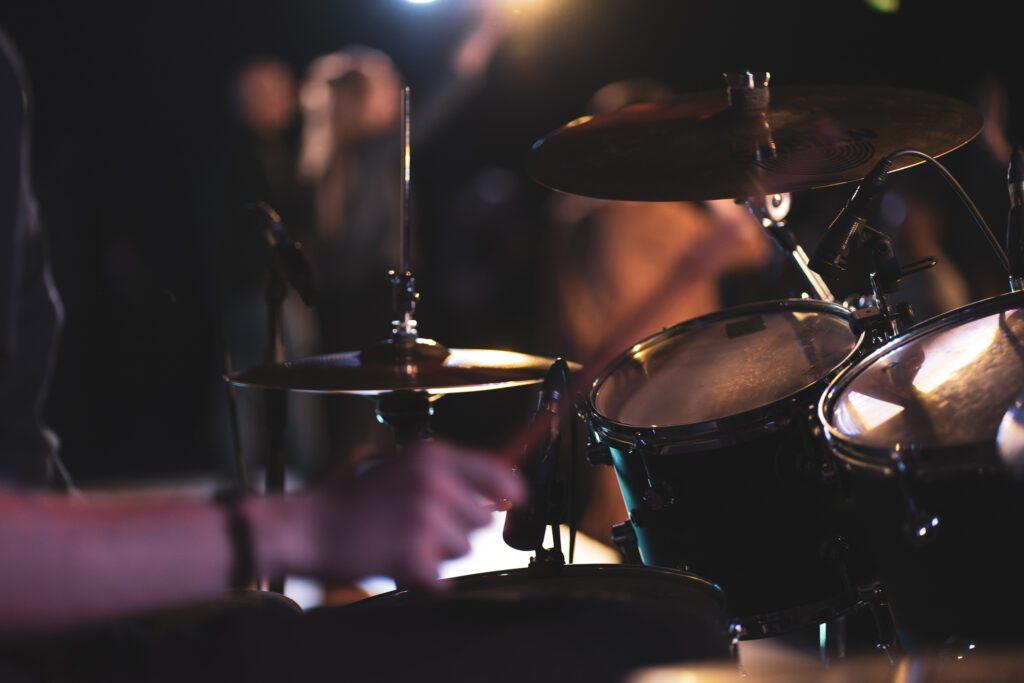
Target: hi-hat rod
405	237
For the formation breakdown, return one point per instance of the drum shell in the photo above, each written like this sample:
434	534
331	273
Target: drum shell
961	580
753	504
967	581
578	622
759	517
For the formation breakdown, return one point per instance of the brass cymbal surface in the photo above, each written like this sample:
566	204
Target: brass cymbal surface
460	371
697	147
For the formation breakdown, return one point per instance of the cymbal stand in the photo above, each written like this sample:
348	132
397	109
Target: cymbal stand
771	212
406	412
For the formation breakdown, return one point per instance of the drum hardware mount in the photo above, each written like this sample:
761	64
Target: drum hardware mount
408	415
771	211
624	538
658	494
597	452
886	277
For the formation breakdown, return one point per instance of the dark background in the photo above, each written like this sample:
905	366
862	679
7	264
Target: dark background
132	114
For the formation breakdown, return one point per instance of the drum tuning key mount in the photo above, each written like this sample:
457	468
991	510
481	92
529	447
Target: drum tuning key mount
657	494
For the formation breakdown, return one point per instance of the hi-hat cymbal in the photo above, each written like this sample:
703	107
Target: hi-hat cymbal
460	371
697	147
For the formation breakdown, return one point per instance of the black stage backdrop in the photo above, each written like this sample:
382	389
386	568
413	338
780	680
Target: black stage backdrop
131	115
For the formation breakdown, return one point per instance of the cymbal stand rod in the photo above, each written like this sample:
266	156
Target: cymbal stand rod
404	294
404	237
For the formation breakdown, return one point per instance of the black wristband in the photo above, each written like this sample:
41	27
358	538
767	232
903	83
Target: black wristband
240	534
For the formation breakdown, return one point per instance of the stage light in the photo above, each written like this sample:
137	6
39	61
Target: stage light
421	2
884	6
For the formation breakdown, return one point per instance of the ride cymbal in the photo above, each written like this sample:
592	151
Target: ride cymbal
698	147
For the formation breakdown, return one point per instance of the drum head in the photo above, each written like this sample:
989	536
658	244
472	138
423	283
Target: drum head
726	364
947	383
578	622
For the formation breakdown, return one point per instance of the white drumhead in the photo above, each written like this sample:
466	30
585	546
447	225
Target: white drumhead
723	366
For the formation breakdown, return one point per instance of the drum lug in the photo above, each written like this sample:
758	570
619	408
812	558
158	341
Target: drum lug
598	453
624	538
657	494
736	634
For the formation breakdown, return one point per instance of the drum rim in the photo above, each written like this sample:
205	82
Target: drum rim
878	459
756	418
576	571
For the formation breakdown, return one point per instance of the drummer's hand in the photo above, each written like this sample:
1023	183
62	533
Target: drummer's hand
401	517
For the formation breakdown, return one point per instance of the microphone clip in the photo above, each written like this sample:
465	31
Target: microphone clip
885	277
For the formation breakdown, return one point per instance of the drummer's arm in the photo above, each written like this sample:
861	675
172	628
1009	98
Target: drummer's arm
65	562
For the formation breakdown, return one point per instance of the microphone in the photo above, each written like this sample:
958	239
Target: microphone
830	258
288	254
1015	218
525	526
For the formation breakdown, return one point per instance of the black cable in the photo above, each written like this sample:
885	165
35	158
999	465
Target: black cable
964	197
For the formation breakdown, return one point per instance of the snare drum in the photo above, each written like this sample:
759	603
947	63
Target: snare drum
914	424
709	426
558	623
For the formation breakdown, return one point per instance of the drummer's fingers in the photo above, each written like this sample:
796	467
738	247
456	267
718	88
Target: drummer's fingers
487	476
447	534
419	566
463	503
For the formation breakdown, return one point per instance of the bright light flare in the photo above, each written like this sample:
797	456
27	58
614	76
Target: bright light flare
955	350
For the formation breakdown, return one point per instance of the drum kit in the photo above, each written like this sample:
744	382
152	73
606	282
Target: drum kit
785	464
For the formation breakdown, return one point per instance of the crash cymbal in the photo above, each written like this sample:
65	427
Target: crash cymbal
698	147
373	374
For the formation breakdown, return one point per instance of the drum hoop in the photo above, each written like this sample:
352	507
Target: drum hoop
572	572
878	459
767	625
768	418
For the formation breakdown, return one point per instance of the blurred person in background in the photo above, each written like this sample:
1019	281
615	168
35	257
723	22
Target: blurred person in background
262	166
350	161
611	257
